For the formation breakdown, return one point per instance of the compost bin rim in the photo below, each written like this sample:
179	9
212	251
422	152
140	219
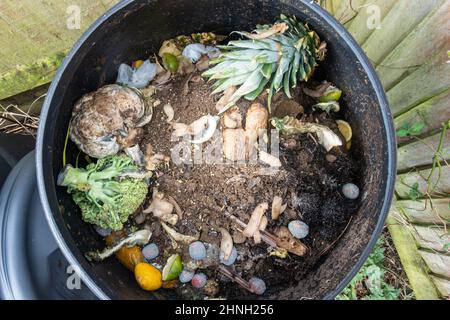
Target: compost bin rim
368	68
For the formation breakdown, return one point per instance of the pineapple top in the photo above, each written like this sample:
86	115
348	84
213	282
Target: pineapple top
273	57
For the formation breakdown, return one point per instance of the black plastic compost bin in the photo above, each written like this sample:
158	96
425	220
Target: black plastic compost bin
134	30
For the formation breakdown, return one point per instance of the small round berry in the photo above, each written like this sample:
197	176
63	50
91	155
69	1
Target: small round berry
199	280
150	251
186	276
350	191
197	250
257	285
298	229
231	260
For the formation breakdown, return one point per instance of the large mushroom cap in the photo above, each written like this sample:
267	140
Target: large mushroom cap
101	120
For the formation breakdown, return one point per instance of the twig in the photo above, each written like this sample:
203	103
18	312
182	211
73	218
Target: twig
235	278
20	121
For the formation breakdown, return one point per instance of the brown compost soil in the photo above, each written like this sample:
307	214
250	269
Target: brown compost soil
309	182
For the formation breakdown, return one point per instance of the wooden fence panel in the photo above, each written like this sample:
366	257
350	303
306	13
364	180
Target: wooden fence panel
443	285
362	26
34	38
429	38
410	12
441	181
420	153
438	263
427	82
346	10
432	114
432	238
434	212
412	262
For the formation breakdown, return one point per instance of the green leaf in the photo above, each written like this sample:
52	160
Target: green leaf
402	133
231	82
267	70
446	247
286	83
372	277
416	128
253	95
414	192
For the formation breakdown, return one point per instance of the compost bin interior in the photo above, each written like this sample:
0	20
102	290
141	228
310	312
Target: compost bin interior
135	31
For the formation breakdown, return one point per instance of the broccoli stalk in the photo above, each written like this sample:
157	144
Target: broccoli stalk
104	191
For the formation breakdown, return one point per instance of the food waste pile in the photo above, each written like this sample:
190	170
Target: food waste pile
217	170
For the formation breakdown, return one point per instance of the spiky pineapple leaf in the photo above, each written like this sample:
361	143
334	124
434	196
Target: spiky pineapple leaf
267	58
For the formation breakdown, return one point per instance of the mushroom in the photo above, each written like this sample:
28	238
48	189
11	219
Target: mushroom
262	227
176	206
152	161
263	223
107	121
289	126
281	240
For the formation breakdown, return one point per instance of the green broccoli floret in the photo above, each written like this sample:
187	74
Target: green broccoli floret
106	196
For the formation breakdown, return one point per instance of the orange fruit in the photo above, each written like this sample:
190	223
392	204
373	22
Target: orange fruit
130	257
148	277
